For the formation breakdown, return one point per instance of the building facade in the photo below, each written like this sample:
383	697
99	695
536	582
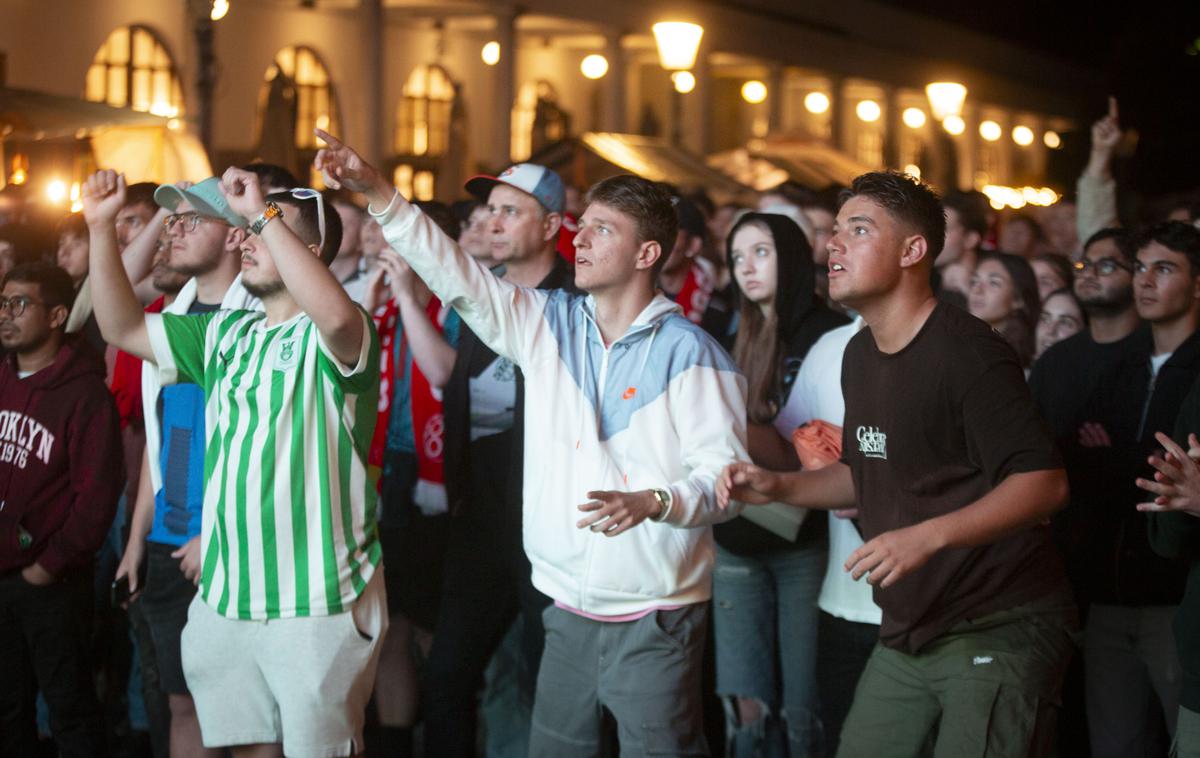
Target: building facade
438	89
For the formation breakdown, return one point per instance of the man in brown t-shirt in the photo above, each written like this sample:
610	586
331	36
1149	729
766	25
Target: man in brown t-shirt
954	475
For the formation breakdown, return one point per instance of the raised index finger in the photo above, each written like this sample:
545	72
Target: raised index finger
1112	108
328	138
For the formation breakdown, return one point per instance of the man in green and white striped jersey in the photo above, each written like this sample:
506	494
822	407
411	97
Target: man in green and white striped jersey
291	557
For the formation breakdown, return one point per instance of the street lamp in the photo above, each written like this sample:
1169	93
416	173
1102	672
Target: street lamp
945	99
678	43
594	66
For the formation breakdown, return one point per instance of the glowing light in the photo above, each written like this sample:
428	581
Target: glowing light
945	99
18	177
76	199
164	109
990	131
219	9
1000	196
323	121
678	42
1022	135
868	110
754	91
1051	140
913	170
954	125
174	124
594	66
684	81
816	102
490	53
56	191
914	118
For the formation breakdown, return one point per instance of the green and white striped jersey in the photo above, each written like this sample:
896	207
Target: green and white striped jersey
289	521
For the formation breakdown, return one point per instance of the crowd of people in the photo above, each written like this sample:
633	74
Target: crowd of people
867	471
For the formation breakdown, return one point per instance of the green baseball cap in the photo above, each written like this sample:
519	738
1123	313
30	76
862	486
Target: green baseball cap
205	197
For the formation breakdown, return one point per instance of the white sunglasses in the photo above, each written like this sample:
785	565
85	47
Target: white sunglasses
307	193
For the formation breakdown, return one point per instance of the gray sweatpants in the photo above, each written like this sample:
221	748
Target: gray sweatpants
645	672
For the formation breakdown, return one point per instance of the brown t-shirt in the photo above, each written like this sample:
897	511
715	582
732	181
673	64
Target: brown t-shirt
931	429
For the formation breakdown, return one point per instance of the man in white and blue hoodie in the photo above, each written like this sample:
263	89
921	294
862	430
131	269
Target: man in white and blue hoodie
631	413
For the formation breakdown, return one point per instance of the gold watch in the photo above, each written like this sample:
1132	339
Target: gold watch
663	498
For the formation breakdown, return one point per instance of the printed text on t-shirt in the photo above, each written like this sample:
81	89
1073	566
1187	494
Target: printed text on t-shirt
871	442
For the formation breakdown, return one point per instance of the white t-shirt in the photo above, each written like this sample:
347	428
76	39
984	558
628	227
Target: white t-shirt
817	394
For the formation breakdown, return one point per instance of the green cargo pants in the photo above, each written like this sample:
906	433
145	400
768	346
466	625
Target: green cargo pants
987	687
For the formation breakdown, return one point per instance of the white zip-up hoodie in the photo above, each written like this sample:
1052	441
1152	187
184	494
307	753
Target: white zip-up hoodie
662	407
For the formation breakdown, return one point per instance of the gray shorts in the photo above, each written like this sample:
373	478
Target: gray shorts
302	682
645	672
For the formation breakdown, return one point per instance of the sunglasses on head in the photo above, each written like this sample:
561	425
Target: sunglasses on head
307	193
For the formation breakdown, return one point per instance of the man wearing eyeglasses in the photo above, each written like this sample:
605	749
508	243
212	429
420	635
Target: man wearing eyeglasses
1064	381
60	464
1130	663
282	639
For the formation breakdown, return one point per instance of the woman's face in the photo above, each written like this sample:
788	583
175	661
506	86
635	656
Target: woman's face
755	264
1048	279
992	297
1061	318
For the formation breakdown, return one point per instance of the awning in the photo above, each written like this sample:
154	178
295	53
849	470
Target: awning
29	115
766	163
151	154
585	160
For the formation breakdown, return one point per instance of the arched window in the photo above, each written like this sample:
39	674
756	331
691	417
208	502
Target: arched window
133	69
537	119
297	90
423	116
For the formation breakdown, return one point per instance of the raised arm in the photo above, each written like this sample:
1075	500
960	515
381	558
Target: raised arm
430	350
500	313
1097	190
118	312
308	280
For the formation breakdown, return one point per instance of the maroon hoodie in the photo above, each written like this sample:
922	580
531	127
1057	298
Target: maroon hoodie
60	461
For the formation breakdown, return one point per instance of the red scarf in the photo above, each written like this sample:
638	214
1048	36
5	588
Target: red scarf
696	292
428	428
425	402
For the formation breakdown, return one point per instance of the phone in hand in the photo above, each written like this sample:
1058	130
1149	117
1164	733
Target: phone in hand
120	592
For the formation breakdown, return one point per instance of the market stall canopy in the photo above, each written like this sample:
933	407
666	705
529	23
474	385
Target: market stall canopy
585	160
151	154
766	163
29	115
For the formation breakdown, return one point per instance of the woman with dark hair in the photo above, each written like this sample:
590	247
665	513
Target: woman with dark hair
1062	316
1004	293
1053	273
768	575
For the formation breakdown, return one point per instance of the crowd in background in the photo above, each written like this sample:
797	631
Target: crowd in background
1101	308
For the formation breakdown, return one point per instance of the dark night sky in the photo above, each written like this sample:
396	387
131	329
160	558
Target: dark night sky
1140	51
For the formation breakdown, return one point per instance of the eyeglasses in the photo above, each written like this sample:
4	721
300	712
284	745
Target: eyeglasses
1102	267
17	304
306	193
186	221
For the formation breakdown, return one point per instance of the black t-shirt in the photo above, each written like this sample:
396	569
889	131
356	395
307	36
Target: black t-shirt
931	429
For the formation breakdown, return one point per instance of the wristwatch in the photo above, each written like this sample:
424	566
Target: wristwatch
663	498
271	212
